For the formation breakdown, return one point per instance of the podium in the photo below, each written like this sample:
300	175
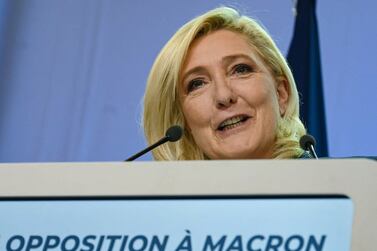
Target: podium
328	204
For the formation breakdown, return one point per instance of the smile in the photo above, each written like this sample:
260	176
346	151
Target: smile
232	122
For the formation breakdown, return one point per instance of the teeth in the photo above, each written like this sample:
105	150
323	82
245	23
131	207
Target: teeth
232	122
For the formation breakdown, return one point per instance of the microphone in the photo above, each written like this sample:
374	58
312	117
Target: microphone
173	134
307	142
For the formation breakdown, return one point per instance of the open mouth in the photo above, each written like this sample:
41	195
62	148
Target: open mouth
232	122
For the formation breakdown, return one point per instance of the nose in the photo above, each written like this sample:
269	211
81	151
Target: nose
224	94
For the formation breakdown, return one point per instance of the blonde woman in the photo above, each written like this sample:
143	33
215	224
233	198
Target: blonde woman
222	78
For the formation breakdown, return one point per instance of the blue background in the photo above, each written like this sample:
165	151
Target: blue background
73	73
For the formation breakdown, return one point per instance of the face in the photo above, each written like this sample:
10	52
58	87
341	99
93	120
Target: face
229	98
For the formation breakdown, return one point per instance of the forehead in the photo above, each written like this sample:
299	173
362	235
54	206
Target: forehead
217	45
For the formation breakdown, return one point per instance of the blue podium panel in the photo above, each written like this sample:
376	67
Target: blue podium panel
200	223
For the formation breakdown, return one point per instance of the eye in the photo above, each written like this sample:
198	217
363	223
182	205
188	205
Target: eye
195	84
242	69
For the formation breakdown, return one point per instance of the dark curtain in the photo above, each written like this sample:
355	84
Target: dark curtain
305	62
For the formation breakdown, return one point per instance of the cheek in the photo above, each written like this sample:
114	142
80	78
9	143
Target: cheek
259	95
262	98
196	112
269	106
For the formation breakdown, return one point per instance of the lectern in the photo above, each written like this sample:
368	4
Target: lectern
264	205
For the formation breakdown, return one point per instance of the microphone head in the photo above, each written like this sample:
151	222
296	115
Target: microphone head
306	141
174	133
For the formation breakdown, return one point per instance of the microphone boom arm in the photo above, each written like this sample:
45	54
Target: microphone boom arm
149	148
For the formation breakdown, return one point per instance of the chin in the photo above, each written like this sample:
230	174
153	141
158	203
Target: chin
236	154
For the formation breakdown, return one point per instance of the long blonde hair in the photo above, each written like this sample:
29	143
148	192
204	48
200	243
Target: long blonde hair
161	103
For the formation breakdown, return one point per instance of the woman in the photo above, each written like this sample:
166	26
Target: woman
222	78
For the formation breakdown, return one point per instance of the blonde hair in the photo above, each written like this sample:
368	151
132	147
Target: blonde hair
161	102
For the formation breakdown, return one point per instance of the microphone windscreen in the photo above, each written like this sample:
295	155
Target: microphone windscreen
306	141
174	133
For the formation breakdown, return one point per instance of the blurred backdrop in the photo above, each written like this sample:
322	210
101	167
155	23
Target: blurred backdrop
73	73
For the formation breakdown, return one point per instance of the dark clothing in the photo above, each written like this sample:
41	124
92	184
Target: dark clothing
306	155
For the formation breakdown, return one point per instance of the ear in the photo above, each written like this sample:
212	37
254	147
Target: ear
282	91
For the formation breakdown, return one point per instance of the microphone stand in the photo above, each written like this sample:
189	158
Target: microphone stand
149	148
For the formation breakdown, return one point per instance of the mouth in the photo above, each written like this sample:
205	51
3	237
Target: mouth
232	122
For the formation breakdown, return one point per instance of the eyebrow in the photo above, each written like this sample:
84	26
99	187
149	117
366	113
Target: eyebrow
230	58
225	60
